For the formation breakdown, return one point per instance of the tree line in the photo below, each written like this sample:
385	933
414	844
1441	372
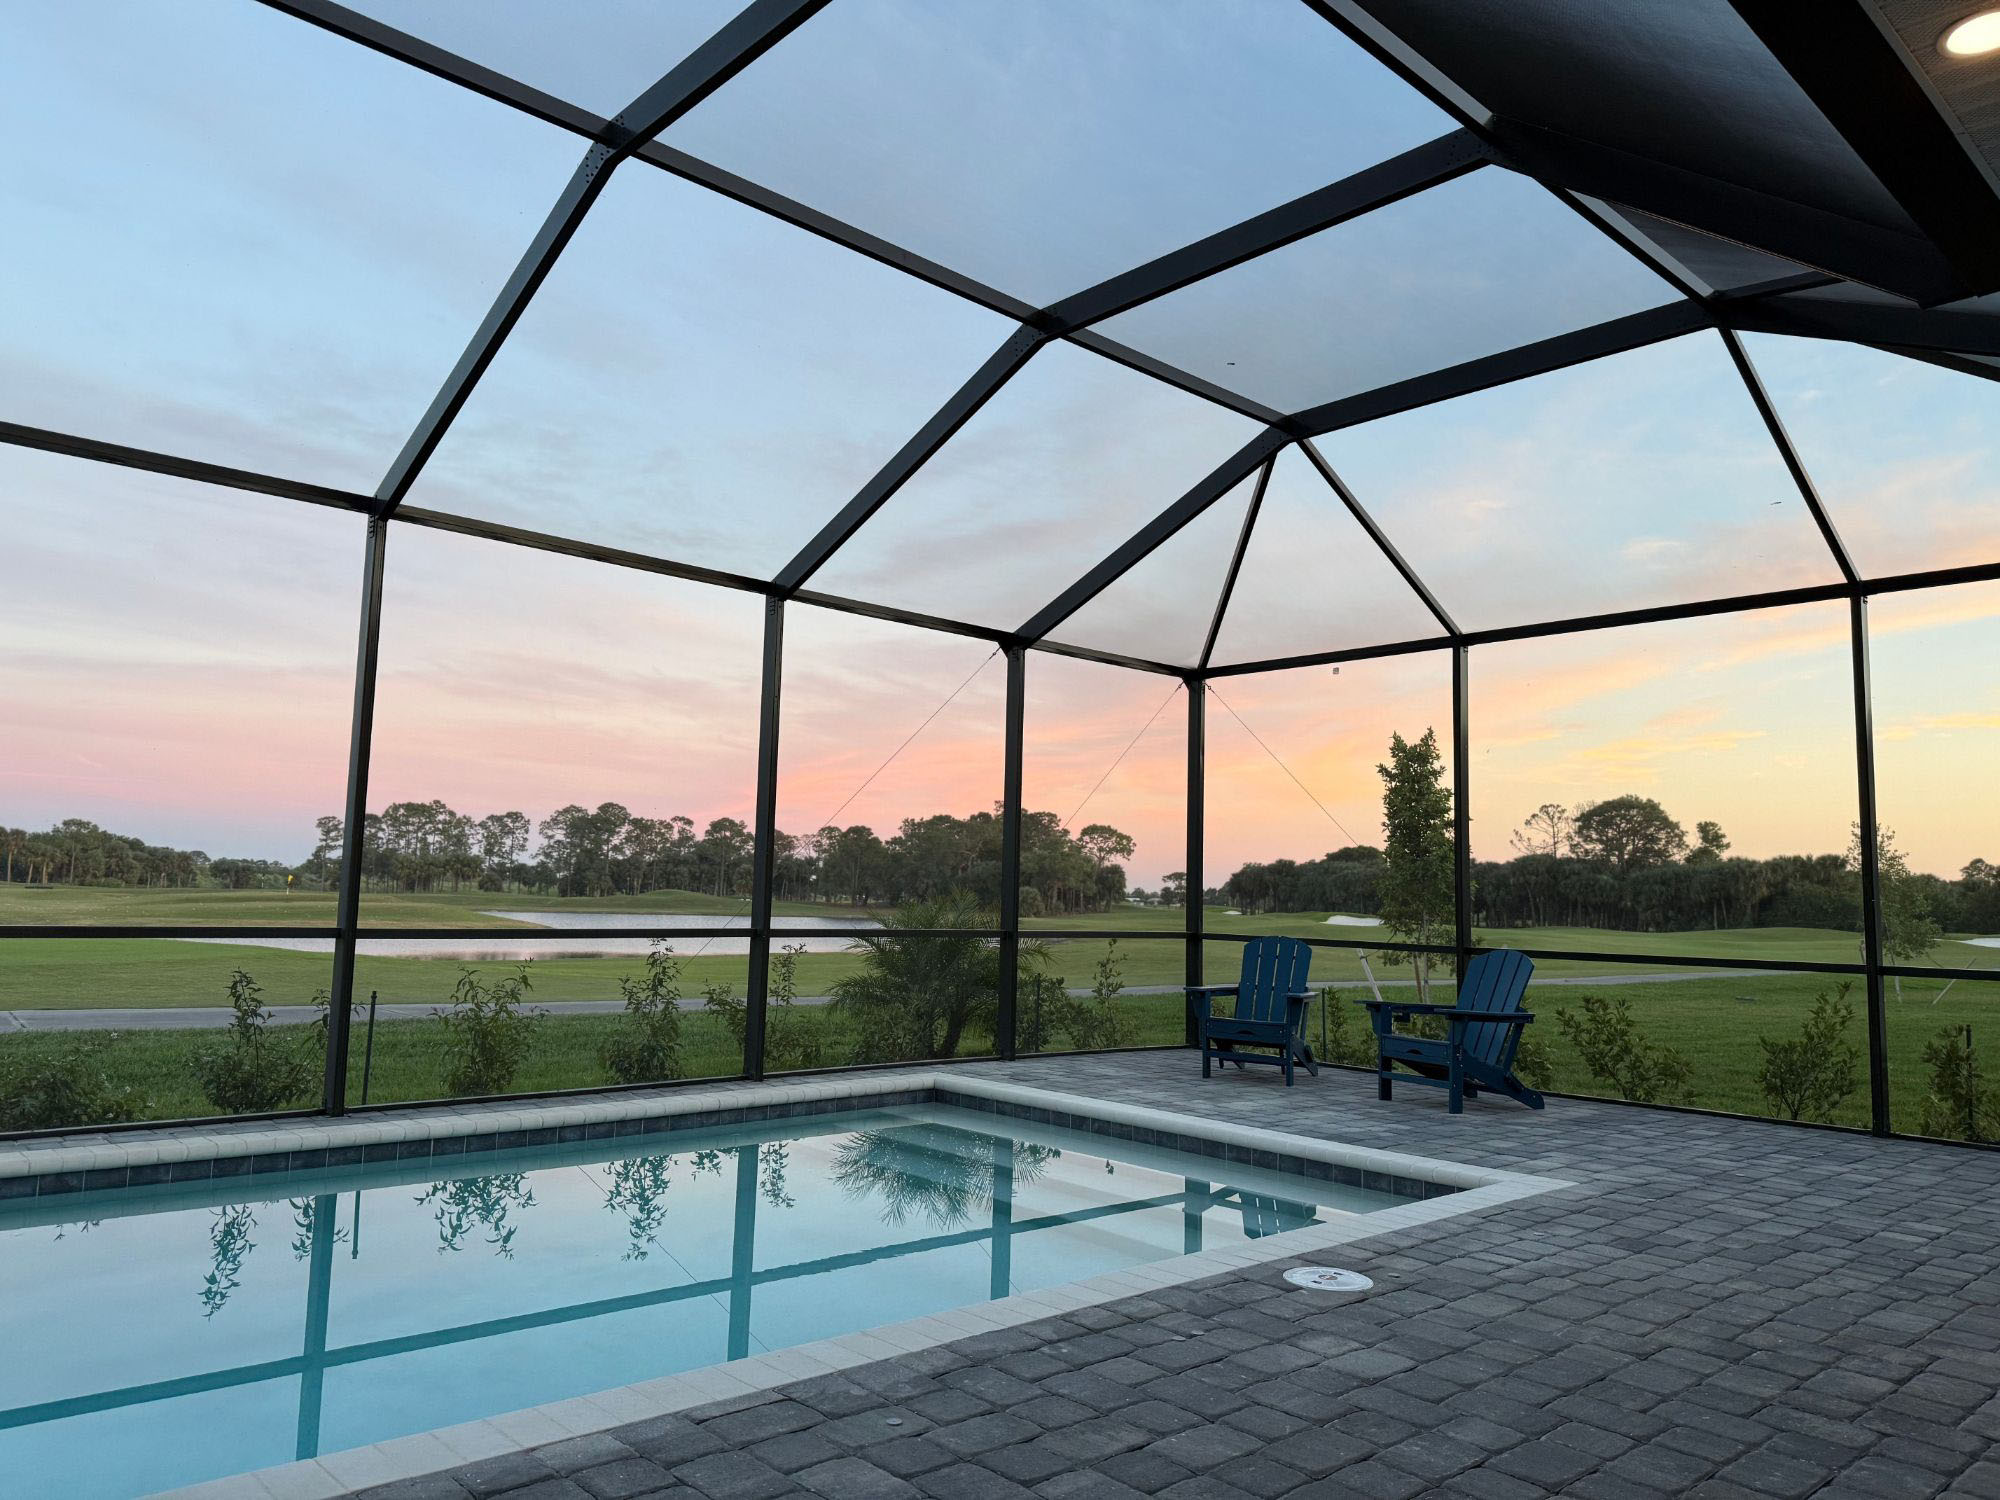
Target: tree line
75	851
606	850
1626	864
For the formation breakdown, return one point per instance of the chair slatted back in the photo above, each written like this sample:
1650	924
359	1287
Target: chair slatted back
1495	984
1273	968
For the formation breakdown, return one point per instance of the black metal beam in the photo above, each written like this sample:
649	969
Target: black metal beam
354	830
1867	834
1236	562
1004	1025
1774	424
744	38
1107	658
1962	364
542	541
999	368
1635	331
1387	182
1943	329
836	231
1461	804
1331	658
759	27
667	567
1173	375
72	446
1576	624
440	63
1224	477
1381	540
764	855
1197	823
1859	76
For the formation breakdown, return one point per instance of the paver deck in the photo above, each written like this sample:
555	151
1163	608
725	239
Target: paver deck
1717	1308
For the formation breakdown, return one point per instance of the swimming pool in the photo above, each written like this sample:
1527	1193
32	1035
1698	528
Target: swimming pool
168	1334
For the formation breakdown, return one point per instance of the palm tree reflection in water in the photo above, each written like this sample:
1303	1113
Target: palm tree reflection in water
943	1173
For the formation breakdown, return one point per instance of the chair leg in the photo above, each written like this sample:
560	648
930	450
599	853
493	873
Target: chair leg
1384	1088
1456	1090
1206	1054
1288	1067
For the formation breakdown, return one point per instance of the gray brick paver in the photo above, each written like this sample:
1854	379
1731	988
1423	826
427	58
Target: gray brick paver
1717	1309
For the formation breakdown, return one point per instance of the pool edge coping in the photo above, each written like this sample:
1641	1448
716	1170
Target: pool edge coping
750	1380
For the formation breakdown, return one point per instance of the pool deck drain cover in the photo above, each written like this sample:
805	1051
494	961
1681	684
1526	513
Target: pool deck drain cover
1327	1279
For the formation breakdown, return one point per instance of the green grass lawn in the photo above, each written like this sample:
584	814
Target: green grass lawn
93	906
1714	1021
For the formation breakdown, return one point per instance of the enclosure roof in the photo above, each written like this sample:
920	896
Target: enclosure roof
1195	336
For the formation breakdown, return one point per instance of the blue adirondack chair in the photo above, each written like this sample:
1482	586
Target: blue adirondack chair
1270	1012
1485	1032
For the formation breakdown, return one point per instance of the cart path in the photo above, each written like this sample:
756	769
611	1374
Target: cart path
211	1017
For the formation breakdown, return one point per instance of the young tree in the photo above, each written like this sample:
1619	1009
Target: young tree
488	1032
1416	886
253	1070
1909	931
1629	832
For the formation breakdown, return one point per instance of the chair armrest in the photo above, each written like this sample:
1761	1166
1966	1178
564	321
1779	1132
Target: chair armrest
1211	989
1410	1007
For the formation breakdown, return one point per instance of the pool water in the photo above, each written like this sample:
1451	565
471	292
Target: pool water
161	1336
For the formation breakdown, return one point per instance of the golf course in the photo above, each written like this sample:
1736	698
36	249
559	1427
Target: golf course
1712	1017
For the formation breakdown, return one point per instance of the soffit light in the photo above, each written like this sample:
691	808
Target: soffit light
1975	36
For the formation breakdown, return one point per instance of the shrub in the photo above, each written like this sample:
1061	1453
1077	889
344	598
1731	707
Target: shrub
487	1033
62	1089
1534	1063
647	1045
1337	1044
255	1069
1611	1047
1097	1023
1809	1076
1956	1107
1044	1007
792	1034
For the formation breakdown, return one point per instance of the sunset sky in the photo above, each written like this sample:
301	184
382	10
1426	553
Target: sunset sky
279	281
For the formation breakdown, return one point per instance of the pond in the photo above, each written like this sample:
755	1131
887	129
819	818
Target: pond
792	932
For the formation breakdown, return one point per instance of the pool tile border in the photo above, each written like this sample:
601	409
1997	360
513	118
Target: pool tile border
1451	1189
154	1162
